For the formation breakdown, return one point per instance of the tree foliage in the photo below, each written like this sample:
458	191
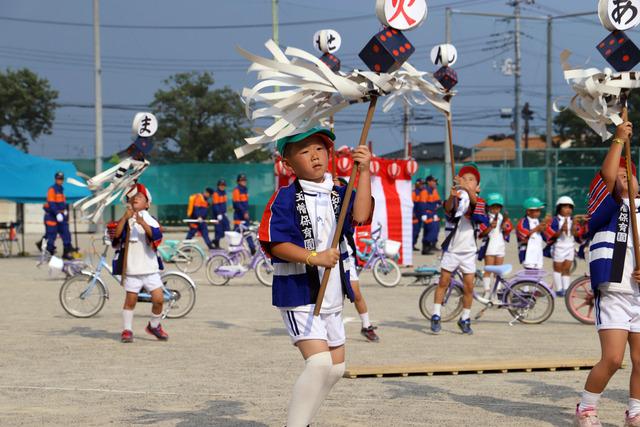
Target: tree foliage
27	107
198	123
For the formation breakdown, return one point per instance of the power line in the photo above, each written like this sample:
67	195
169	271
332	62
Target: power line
184	27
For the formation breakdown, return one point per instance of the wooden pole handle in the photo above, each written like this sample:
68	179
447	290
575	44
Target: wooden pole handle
345	204
451	154
632	194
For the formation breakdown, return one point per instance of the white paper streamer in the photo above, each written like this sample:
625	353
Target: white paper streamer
108	185
310	92
597	100
418	88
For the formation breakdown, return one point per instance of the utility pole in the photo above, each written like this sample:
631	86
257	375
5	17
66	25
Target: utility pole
547	154
98	83
276	33
517	73
405	128
448	178
527	115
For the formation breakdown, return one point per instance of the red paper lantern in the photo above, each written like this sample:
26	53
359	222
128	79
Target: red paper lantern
412	167
374	167
393	170
345	164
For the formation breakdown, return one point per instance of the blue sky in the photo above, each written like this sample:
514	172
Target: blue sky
137	60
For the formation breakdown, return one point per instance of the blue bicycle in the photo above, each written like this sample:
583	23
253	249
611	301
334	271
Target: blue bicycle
84	294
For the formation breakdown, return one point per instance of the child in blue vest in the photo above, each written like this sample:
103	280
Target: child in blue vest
614	279
219	211
137	237
465	211
296	231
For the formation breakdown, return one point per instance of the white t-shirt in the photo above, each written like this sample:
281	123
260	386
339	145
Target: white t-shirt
565	240
628	285
464	240
534	257
317	197
496	239
141	258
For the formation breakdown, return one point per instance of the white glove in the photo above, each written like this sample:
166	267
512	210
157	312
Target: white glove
59	217
424	218
219	217
436	218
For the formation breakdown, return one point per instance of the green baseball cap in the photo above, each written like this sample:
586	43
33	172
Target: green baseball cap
533	203
495	199
292	139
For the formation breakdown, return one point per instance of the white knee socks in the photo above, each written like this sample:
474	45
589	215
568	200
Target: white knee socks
566	282
557	281
335	374
308	389
127	319
436	309
364	317
486	283
634	407
155	320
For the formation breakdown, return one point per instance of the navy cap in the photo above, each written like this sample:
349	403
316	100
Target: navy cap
59	175
222	182
209	190
431	178
241	177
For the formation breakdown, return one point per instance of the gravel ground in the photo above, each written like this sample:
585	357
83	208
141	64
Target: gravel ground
230	363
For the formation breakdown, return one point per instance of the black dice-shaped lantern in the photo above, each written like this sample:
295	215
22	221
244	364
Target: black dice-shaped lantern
619	51
447	77
386	51
140	148
331	61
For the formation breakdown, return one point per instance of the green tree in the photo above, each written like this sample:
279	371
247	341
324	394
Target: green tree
27	107
198	123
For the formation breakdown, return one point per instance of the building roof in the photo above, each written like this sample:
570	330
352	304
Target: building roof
502	148
430	152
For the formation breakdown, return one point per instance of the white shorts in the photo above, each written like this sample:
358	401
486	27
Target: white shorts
561	254
465	262
496	248
305	326
615	310
353	272
135	282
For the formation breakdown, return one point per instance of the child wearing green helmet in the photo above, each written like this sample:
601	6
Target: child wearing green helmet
494	237
530	235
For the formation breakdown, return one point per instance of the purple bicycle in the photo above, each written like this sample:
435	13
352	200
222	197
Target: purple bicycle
525	296
223	265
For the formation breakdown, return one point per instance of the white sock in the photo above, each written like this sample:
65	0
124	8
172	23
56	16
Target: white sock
557	281
486	283
334	376
466	314
364	317
436	309
155	320
634	407
127	319
308	389
566	282
588	400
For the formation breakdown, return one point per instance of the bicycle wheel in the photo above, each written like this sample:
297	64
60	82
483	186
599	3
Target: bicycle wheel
451	306
183	295
213	264
529	302
188	259
580	300
264	272
574	265
78	300
386	272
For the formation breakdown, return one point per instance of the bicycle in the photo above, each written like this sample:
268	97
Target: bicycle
521	295
580	300
84	294
223	265
378	256
8	237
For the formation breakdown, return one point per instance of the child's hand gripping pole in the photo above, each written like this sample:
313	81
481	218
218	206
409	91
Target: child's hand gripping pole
345	205
632	193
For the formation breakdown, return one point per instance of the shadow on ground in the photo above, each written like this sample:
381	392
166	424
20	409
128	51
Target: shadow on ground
216	413
556	415
87	332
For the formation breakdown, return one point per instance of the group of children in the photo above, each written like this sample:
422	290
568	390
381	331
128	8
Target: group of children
300	221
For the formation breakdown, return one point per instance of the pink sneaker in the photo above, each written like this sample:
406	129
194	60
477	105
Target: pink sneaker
587	418
631	421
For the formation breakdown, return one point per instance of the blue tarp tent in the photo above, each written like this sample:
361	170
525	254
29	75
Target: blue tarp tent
26	178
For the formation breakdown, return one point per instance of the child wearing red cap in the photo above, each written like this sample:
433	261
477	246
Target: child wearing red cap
465	212
137	237
614	279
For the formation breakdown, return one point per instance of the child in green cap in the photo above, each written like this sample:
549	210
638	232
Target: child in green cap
296	231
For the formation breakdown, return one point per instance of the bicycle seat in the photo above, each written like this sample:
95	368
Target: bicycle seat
367	241
427	270
171	243
500	270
